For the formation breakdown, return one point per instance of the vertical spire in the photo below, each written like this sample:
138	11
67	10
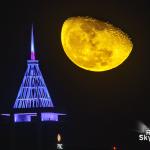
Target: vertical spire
32	45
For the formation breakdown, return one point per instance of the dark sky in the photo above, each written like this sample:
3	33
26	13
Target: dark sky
102	108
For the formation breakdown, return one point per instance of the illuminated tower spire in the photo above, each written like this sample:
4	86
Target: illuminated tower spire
32	45
33	99
33	92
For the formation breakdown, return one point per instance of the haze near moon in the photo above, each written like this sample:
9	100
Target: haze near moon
94	45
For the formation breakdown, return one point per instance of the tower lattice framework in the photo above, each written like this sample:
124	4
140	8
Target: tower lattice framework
33	92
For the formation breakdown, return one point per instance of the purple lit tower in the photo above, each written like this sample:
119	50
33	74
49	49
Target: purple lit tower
33	93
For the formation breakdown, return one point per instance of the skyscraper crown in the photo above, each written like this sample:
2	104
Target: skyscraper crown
33	92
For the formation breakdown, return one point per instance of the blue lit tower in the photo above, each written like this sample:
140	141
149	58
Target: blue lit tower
33	93
34	106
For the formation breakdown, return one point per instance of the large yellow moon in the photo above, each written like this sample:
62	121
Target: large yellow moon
94	45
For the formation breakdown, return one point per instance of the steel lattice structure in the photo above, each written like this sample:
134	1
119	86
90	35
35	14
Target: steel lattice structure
33	92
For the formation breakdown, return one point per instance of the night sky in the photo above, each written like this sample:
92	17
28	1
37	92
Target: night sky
103	108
